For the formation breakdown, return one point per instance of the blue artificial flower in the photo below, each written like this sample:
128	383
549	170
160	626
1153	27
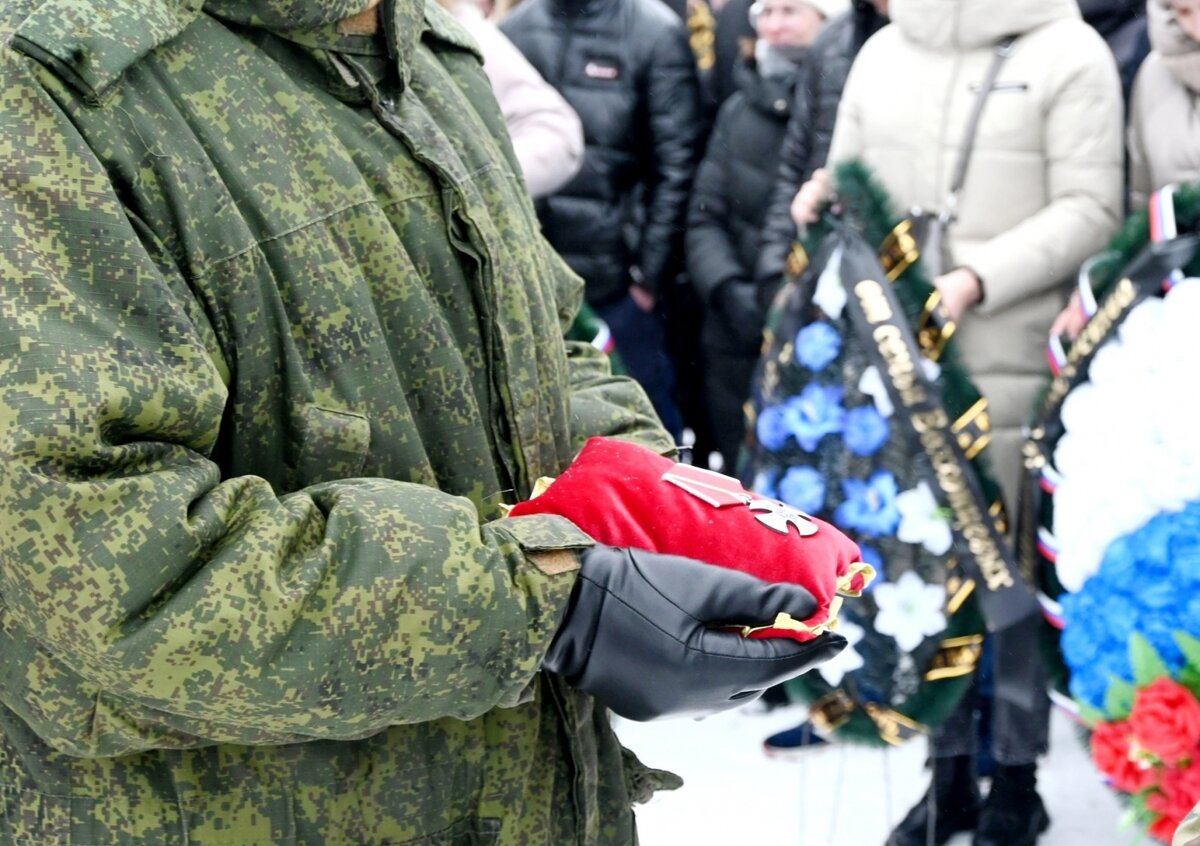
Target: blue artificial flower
803	488
1141	587
764	484
817	345
866	430
772	427
870	506
815	413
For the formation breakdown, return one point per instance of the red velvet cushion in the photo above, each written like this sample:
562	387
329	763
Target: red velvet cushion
626	495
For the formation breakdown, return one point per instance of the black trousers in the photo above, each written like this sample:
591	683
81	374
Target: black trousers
1019	731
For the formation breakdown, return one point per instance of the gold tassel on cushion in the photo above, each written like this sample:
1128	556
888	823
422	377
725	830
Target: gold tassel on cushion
856	579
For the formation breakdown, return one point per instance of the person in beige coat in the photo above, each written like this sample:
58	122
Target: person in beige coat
1043	192
1164	120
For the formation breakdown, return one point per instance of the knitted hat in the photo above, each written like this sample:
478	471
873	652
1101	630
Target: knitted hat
830	8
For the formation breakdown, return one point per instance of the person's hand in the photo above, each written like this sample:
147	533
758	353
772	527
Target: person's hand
738	304
1070	320
649	635
960	289
812	198
642	298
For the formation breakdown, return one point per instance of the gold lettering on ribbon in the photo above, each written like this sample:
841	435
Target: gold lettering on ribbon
1094	334
932	426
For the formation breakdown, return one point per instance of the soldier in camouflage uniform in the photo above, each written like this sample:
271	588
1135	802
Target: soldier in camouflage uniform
280	339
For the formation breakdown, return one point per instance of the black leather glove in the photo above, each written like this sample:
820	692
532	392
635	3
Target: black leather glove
642	634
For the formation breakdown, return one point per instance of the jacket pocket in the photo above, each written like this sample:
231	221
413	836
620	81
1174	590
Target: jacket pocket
474	832
330	444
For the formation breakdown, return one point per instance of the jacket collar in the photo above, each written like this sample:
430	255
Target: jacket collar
969	24
92	44
577	8
771	95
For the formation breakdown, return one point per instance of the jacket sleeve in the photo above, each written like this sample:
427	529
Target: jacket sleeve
602	404
795	164
1084	169
672	103
148	602
712	257
1141	184
847	141
546	133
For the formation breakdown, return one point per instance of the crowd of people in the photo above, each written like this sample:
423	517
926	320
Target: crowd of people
1069	136
286	287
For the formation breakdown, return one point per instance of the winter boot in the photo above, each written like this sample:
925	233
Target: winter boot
949	806
1013	814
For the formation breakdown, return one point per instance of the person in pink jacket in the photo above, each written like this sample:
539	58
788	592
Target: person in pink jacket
546	133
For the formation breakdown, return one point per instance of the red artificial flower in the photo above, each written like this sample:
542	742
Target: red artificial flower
1111	746
1166	721
1177	794
1163	828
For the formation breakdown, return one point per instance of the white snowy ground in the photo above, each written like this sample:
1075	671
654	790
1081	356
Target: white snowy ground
837	795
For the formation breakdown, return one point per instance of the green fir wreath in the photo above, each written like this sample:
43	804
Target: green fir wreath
815	441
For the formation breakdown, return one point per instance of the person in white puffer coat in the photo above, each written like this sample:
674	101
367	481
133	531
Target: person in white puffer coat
1043	191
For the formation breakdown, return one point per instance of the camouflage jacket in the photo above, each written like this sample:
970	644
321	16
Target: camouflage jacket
279	338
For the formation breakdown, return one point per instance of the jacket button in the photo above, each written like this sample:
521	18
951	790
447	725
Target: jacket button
780	105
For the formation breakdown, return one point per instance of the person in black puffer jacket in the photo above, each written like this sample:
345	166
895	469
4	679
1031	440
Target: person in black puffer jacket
730	199
626	68
806	143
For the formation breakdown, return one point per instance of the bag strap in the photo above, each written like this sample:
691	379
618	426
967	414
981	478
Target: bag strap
1002	51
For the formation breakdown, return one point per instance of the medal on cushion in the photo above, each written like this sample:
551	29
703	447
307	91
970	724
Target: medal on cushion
721	491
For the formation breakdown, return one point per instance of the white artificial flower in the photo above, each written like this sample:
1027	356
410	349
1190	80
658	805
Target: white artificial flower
846	661
830	295
871	384
921	521
909	610
1129	450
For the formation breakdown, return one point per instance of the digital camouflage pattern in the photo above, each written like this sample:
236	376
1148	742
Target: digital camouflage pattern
278	338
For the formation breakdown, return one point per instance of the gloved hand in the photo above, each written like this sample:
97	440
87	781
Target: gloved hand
625	495
643	634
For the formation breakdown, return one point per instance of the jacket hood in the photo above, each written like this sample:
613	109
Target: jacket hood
92	44
768	94
967	24
1179	53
